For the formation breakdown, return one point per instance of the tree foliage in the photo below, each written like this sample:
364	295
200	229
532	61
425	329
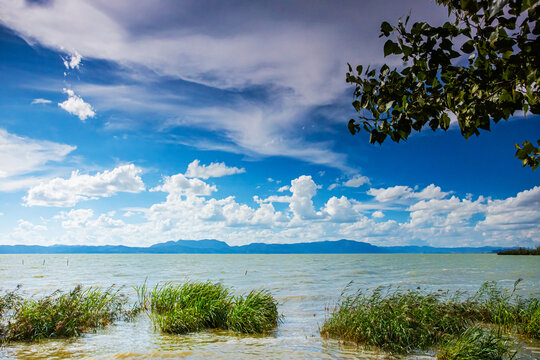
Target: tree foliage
481	65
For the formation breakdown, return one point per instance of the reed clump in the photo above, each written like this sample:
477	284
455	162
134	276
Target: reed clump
61	314
476	343
399	321
196	306
255	313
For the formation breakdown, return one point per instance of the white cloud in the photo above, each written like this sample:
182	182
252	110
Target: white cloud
72	61
284	188
356	181
520	213
397	193
75	218
178	185
340	210
79	187
303	190
21	156
294	63
75	105
195	170
41	101
333	186
189	212
25	230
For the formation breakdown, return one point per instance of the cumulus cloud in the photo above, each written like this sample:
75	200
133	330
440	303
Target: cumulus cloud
75	105
41	101
340	210
178	185
521	212
72	61
75	218
356	181
191	212
62	192
399	192
303	190
284	188
195	170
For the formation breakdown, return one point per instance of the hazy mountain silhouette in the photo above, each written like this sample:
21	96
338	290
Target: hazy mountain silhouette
219	247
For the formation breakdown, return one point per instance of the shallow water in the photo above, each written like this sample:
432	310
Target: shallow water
304	285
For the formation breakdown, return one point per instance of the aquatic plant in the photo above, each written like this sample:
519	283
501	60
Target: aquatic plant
9	300
476	343
63	314
394	321
529	318
195	306
255	313
402	321
188	307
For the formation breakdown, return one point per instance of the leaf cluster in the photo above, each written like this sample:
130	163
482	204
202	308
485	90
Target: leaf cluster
481	65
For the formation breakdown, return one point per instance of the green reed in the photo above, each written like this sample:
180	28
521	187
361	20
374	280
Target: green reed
476	343
255	313
61	314
195	306
402	321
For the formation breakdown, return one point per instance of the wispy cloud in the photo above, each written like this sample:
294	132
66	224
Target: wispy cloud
300	63
41	101
21	157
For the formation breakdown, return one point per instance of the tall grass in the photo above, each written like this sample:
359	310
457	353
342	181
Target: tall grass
393	321
402	321
189	307
476	343
195	306
62	314
255	313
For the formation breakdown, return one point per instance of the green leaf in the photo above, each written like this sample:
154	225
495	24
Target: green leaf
386	28
352	127
468	47
391	47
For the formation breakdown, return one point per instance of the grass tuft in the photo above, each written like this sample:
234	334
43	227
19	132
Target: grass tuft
255	313
189	307
394	321
61	314
402	321
195	306
476	343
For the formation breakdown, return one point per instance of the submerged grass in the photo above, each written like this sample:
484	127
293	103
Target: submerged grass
195	306
61	314
402	321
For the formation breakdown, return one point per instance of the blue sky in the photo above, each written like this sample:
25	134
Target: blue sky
123	123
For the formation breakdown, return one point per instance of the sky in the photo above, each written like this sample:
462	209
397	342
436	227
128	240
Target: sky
135	123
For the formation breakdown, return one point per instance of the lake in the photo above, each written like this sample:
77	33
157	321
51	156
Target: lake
303	284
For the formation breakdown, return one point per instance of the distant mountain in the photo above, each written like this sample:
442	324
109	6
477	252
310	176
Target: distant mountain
219	247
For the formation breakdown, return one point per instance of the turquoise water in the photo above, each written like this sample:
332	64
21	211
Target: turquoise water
304	285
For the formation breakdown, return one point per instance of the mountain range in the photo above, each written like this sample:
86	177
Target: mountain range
219	247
